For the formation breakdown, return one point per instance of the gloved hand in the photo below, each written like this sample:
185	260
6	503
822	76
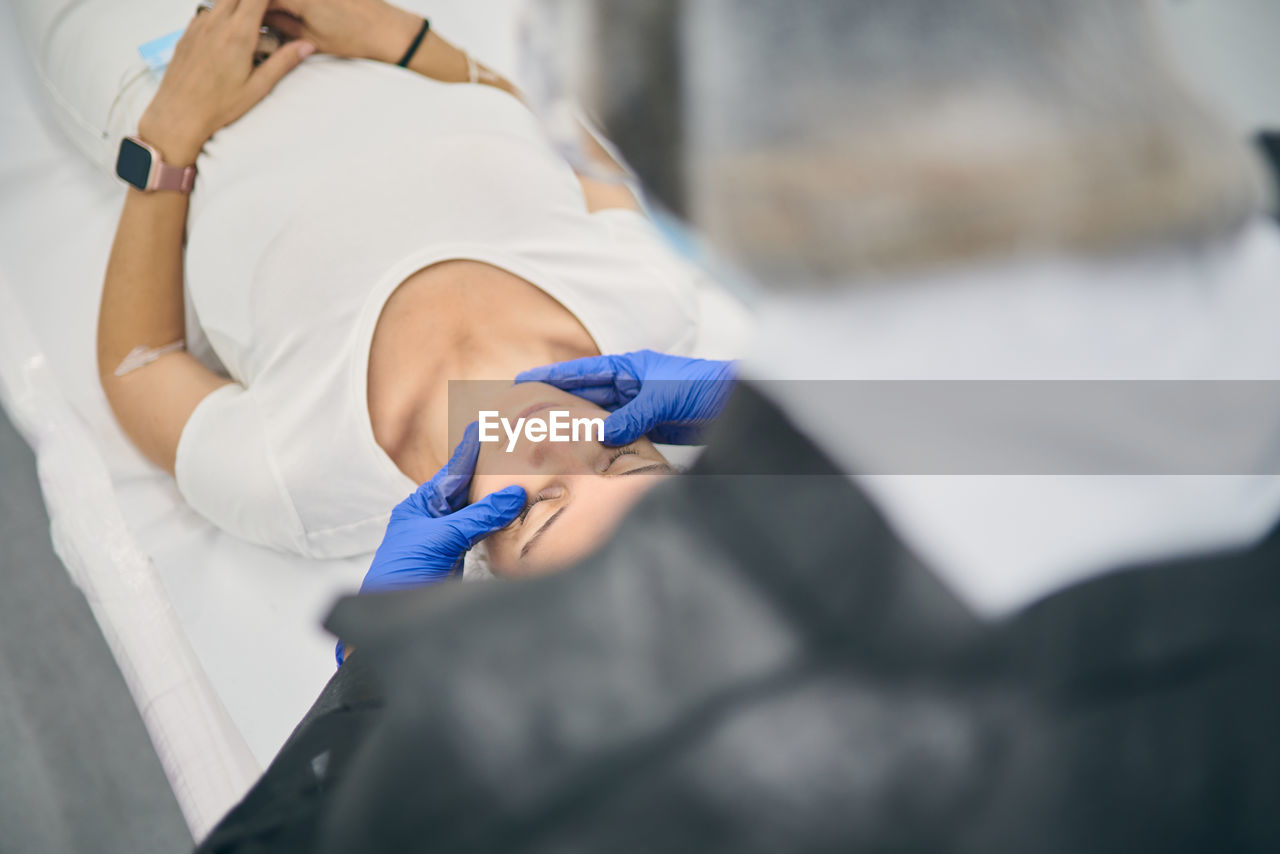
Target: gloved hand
432	529
667	398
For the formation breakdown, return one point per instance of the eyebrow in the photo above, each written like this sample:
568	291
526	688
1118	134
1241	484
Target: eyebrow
650	469
524	550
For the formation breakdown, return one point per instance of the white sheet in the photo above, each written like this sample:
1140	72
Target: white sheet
219	641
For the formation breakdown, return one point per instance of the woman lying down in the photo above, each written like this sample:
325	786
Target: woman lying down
363	237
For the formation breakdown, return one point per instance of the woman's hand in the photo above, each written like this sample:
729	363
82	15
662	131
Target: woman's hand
356	29
211	80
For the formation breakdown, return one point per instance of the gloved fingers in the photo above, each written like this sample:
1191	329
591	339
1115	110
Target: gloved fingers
407	571
672	412
447	490
629	423
607	381
566	380
492	513
603	396
575	373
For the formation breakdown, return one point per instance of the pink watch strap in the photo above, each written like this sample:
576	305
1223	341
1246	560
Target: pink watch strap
179	178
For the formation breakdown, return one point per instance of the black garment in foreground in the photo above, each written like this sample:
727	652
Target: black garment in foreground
1269	142
755	663
283	810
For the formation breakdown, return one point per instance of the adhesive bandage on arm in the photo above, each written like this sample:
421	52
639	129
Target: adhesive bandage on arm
140	357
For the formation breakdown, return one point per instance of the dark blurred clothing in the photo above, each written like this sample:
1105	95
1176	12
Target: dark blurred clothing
284	809
1269	142
756	663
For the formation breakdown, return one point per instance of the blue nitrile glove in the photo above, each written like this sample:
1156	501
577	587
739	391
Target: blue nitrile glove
432	529
667	398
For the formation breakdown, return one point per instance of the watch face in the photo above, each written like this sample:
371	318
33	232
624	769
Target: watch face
134	163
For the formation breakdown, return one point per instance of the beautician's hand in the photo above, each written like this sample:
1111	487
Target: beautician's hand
356	29
432	529
211	81
667	398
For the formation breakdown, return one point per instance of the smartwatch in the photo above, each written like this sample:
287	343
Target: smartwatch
140	165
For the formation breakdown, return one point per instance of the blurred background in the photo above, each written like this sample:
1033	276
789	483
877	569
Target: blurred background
1232	48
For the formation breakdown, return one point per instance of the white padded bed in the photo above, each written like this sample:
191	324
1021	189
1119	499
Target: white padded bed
219	641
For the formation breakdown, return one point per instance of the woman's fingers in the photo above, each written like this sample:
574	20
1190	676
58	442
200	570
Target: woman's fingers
251	11
223	8
276	66
285	22
293	8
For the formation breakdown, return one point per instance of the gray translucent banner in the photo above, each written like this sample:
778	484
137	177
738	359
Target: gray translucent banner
1016	427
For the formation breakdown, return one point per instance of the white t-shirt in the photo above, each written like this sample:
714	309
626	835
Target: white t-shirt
309	212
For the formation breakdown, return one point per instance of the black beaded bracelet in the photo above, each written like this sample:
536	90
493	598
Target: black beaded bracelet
417	42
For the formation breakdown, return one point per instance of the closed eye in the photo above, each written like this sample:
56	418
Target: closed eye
524	514
629	451
655	468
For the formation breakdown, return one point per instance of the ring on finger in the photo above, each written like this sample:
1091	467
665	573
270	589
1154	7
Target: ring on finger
204	6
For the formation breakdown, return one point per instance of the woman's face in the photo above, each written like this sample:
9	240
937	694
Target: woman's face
577	490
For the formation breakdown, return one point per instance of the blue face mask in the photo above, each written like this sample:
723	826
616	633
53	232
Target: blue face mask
157	52
688	245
